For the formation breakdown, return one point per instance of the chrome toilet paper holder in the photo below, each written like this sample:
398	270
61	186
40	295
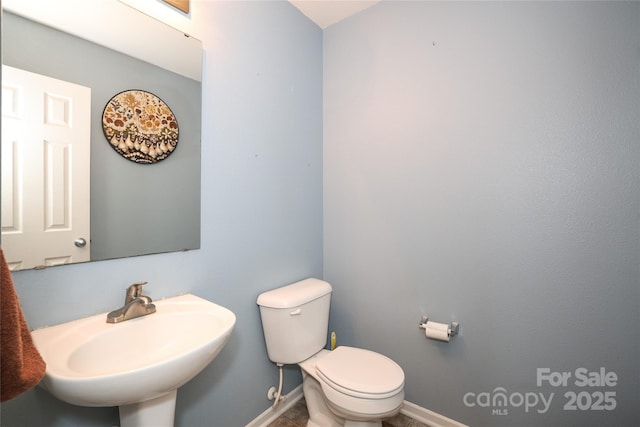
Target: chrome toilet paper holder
453	326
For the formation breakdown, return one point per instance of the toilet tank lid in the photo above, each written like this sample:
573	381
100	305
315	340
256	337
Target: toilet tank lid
295	294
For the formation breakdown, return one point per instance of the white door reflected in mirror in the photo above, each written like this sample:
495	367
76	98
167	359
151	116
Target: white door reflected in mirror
46	126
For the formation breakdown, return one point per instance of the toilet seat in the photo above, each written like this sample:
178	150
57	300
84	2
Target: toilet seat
360	373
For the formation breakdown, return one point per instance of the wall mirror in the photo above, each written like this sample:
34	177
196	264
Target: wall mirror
133	209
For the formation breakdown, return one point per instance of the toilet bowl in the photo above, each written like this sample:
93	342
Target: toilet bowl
344	387
352	387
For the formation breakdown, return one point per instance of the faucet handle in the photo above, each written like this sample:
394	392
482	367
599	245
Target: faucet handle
134	291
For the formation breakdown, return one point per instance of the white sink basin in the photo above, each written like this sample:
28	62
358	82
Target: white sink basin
94	363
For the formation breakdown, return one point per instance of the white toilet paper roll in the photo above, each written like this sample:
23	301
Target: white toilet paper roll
437	331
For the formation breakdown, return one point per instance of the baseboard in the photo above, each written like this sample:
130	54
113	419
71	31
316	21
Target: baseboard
430	418
270	415
418	413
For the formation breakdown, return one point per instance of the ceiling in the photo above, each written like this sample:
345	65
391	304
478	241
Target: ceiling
328	12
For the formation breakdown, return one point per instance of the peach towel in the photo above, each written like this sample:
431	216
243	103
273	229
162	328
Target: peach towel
21	367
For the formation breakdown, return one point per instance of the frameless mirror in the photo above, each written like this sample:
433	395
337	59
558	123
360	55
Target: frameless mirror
131	208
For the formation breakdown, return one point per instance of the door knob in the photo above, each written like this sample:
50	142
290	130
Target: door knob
81	242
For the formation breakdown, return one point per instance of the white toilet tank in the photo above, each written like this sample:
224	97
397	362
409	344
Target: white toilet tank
295	319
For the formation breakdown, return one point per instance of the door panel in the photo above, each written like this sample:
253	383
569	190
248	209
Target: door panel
45	169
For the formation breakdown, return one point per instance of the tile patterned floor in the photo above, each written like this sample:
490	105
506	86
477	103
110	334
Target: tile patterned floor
297	416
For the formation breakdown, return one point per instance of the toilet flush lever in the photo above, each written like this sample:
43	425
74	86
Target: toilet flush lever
296	312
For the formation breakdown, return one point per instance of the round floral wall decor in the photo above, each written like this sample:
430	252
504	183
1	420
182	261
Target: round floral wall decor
140	126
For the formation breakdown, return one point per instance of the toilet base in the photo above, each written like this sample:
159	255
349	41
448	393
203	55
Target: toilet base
320	415
349	423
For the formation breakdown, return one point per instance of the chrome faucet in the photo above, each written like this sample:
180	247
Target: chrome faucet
135	305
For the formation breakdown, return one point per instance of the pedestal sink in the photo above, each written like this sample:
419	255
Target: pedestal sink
137	365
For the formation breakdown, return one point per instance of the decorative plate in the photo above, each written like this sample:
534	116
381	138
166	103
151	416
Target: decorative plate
140	126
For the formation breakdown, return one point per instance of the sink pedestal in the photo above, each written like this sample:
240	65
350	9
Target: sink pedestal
158	412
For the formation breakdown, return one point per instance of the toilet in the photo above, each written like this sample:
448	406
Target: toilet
344	387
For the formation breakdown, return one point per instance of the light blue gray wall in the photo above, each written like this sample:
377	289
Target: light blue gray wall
481	165
261	217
